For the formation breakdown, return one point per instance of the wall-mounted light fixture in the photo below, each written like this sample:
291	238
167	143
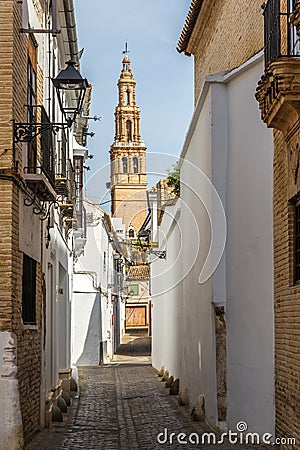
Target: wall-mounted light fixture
85	134
95	118
70	88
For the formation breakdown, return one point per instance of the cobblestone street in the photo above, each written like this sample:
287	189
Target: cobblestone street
122	405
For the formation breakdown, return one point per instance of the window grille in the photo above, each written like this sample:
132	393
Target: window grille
29	291
297	243
280	35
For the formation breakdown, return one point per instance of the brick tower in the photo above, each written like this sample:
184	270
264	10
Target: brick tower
128	157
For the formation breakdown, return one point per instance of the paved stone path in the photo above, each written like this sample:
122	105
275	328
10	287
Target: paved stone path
122	406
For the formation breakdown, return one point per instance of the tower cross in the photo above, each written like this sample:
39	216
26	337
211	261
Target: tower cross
126	51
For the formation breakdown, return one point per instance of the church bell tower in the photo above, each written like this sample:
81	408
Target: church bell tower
128	157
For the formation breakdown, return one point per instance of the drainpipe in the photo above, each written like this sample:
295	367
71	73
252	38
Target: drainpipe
92	274
69	12
54	17
71	29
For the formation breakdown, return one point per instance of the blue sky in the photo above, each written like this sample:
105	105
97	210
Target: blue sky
164	90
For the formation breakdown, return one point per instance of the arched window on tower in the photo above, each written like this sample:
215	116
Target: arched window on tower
120	126
128	97
129	130
131	233
124	165
135	165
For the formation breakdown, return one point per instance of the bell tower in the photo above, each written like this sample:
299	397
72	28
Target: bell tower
128	157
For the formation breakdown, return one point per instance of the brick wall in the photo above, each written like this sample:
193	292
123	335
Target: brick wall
13	90
6	83
227	33
130	206
287	299
6	282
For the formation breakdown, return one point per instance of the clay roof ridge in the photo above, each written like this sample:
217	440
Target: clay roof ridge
188	27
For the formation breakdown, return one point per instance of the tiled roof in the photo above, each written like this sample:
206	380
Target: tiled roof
188	28
138	272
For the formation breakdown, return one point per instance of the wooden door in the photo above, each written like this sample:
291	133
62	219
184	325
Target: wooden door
136	316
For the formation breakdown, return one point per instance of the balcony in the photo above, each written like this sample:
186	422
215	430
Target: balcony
39	184
67	209
70	222
39	173
61	176
65	187
61	185
278	91
64	179
80	230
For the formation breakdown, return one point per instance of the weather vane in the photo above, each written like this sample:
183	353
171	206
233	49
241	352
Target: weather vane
126	51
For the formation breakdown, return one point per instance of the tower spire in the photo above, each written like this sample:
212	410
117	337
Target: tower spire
128	154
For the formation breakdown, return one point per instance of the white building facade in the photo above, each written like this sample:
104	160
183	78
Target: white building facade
98	309
42	37
213	309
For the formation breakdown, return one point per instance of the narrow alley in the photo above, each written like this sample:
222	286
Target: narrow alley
123	405
150	224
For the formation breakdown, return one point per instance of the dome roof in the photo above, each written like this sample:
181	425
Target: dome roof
126	59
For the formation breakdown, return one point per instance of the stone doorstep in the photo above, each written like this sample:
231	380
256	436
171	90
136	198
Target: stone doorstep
56	390
48	409
68	421
203	427
69	417
51	401
200	427
65	376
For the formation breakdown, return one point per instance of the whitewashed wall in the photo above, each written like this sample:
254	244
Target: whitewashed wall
249	258
229	144
57	266
166	295
92	307
11	435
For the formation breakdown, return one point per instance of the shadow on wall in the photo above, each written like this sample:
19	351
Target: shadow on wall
90	355
135	346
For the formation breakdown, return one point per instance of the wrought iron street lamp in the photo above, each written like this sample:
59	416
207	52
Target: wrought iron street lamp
70	88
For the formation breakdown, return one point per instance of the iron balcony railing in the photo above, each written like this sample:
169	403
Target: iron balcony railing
40	159
64	183
62	155
47	151
280	37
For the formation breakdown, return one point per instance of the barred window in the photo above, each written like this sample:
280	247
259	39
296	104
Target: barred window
78	178
31	91
29	291
31	100
297	242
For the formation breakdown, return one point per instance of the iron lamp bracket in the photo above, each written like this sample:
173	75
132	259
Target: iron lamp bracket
26	132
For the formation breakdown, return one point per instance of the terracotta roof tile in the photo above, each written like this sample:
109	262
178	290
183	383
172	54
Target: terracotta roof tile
188	28
138	272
